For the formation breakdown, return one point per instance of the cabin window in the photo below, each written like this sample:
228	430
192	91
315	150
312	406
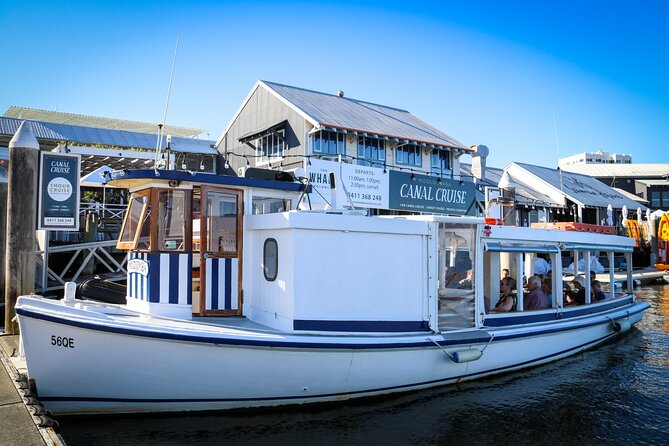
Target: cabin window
267	205
270	259
135	216
457	278
171	220
221	223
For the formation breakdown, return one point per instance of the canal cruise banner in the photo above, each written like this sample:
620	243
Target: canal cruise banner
371	187
422	193
58	199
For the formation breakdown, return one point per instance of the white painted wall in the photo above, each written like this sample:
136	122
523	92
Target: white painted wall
336	267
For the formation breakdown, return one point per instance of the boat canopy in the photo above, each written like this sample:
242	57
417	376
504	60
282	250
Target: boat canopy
519	247
583	247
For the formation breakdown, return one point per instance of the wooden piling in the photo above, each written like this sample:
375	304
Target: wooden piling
21	219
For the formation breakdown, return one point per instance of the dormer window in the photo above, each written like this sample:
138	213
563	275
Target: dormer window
271	146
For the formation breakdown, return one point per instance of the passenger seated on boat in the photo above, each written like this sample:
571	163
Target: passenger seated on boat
535	299
452	278
577	295
466	283
597	293
547	288
508	299
505	273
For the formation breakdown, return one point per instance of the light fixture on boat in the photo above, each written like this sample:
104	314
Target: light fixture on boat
438	180
413	176
247	161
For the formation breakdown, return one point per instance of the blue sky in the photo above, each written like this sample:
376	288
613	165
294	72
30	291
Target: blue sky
494	73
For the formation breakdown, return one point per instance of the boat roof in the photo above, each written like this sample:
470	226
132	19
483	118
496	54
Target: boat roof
134	178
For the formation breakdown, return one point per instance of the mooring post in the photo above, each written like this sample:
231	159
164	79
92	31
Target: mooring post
21	218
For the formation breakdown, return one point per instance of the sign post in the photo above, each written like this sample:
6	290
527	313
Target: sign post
59	192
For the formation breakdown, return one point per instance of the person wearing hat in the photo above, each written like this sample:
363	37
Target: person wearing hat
577	295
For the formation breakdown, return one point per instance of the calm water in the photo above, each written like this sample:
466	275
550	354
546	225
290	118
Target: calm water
617	393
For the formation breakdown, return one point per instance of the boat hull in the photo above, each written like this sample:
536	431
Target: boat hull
87	364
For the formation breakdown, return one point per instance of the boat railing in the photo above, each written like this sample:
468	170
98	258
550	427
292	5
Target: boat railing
70	263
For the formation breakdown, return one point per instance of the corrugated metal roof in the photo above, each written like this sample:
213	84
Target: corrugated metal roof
56	117
580	188
619	170
630	195
355	115
524	194
93	136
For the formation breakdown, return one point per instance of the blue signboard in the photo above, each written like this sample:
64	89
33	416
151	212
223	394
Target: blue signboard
59	192
422	193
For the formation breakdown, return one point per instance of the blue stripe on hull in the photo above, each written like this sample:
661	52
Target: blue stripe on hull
519	319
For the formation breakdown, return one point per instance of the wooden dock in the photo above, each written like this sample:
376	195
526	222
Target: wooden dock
21	421
645	276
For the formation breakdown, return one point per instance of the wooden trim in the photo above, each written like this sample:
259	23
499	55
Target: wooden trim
204	241
130	246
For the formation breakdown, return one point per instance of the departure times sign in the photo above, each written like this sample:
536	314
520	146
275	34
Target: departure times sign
59	192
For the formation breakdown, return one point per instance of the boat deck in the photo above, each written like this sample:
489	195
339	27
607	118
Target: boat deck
233	322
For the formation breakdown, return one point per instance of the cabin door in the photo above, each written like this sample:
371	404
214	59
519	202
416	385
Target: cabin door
221	252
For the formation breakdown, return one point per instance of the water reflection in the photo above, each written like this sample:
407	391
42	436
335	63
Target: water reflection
615	394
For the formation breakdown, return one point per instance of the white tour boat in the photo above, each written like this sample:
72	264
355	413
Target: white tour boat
235	299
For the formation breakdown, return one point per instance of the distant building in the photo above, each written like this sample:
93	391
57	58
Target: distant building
648	182
597	157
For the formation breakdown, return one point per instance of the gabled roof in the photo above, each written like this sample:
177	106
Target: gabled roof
619	170
331	112
57	117
578	188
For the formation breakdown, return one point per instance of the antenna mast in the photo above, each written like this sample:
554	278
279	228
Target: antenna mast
557	149
159	143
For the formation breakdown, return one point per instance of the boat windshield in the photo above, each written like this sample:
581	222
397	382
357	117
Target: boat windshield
135	215
457	253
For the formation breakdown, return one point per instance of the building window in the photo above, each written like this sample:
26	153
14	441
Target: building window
408	155
328	143
441	162
659	199
655	199
271	146
371	152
